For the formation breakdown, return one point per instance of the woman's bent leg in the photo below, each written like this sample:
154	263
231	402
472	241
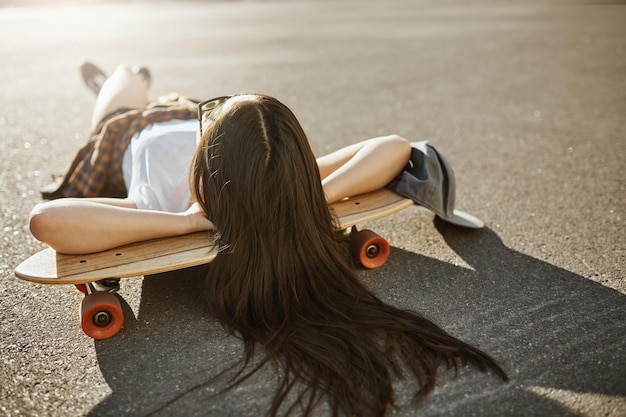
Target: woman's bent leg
124	89
363	167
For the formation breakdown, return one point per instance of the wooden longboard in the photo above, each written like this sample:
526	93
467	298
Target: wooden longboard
173	253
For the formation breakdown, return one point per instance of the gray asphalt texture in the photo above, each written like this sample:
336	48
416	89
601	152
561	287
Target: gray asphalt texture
527	101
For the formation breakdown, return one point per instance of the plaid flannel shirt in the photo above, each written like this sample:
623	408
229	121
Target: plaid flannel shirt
96	170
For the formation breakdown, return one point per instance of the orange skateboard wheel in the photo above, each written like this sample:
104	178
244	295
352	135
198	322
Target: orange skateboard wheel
368	248
101	315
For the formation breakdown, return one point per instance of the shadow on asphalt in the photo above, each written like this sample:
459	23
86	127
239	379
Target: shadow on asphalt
550	328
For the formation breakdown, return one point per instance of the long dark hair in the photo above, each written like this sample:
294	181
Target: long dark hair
282	280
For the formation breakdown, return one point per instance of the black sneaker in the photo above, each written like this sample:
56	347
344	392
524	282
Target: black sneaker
93	76
145	75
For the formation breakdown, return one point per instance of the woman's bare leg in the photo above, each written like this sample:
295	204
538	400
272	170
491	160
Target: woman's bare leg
124	89
363	167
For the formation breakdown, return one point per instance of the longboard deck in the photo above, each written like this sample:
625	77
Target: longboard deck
173	253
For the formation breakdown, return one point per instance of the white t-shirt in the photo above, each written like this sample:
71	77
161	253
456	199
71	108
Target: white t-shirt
156	165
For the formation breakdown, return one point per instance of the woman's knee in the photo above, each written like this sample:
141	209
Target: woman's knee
397	145
124	89
122	68
125	82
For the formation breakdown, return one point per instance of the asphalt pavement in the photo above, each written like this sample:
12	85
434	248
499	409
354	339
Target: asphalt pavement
526	99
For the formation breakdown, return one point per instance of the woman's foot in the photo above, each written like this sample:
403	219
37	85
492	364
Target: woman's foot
93	76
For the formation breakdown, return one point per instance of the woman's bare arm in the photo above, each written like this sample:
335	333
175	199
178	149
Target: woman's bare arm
75	226
362	167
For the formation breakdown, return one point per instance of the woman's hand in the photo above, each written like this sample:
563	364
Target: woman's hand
197	220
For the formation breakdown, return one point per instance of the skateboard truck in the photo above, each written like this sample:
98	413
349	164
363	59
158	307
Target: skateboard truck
111	285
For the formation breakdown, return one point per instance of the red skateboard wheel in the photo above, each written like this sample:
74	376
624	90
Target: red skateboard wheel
101	315
368	248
